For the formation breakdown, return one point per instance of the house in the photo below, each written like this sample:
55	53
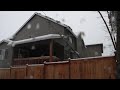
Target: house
42	39
92	50
39	36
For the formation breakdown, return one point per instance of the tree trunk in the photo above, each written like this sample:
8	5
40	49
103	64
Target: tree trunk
117	13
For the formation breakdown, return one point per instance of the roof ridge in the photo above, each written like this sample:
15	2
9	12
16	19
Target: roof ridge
46	17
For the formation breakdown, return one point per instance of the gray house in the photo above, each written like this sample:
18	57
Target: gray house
41	39
39	36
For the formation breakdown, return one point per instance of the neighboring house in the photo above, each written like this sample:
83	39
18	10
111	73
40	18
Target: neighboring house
94	50
42	39
5	54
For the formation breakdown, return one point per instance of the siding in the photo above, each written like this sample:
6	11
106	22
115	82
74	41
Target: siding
93	50
45	27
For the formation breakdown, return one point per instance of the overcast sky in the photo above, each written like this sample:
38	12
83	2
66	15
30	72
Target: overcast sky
88	22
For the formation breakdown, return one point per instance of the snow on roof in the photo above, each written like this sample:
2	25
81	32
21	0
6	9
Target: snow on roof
44	37
5	40
56	21
48	18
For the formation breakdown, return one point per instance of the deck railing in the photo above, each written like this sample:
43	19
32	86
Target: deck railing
33	60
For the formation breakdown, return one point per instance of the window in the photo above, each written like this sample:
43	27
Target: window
6	53
70	39
28	26
37	26
2	54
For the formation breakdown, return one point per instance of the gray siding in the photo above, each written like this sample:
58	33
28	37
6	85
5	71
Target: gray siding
6	62
81	47
45	27
94	50
74	39
67	48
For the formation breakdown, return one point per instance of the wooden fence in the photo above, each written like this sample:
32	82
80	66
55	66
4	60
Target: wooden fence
85	68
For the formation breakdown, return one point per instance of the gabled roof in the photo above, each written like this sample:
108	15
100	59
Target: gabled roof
46	17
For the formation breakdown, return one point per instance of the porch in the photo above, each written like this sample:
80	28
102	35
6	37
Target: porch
37	51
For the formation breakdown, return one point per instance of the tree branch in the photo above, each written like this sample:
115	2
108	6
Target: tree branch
108	30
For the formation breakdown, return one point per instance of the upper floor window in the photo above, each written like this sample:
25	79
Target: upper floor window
28	26
3	54
70	39
6	54
37	26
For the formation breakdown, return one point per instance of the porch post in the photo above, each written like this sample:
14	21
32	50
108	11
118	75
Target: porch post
51	50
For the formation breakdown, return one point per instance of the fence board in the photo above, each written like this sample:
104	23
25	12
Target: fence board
49	71
61	71
35	71
75	69
5	73
18	72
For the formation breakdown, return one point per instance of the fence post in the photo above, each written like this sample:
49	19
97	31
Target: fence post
69	68
26	72
44	70
10	72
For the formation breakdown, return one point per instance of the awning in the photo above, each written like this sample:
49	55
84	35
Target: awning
44	37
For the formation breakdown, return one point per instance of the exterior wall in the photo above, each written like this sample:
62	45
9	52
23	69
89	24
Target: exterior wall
67	48
74	39
6	62
93	50
45	27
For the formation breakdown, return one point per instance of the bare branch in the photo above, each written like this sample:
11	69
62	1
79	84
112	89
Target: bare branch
108	30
